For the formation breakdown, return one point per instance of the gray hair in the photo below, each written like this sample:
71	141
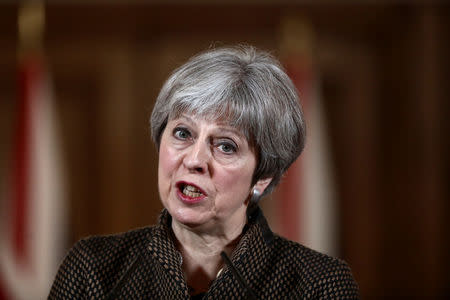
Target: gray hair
248	89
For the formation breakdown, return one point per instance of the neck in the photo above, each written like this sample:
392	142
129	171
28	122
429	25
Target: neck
201	252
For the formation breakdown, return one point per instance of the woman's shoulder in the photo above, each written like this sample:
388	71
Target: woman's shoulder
320	271
104	246
117	239
307	258
94	263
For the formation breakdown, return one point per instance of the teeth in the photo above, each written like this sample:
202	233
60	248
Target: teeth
191	191
192	188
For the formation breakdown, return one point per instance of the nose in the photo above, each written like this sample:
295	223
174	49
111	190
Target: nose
197	157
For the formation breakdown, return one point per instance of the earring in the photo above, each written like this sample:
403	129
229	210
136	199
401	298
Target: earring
256	195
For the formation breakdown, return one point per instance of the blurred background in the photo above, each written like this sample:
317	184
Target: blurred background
76	158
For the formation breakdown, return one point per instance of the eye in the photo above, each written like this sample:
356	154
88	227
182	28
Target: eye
227	147
181	133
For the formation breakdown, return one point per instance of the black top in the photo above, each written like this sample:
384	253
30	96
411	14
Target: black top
145	264
198	296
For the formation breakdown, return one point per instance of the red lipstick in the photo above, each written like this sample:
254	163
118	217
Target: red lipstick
190	193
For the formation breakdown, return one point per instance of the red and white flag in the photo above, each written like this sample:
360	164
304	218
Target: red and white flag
307	210
32	212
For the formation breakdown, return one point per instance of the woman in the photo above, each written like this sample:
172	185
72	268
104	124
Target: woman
227	125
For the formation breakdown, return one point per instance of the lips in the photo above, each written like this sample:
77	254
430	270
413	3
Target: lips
189	192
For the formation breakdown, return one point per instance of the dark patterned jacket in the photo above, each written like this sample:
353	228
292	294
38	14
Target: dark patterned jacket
144	264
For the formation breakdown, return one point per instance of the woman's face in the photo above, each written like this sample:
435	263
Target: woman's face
205	173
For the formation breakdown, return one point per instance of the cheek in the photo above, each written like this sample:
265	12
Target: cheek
166	166
237	181
163	161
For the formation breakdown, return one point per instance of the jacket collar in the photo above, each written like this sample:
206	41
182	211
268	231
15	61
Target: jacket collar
161	243
162	246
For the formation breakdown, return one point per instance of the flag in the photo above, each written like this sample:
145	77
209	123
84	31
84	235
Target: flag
32	217
306	206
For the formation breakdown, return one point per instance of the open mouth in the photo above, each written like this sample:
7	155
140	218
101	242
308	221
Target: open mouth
190	190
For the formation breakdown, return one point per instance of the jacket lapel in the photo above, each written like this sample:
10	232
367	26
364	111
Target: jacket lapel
249	258
162	249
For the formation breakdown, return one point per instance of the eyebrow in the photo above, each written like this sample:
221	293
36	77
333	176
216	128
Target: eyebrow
186	118
232	130
221	126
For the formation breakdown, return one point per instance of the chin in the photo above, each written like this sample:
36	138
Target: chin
190	216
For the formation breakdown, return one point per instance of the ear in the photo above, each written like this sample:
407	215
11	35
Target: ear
262	184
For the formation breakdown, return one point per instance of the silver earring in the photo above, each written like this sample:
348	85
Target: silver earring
256	195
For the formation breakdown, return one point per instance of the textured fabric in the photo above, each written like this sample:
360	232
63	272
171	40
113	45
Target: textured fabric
144	264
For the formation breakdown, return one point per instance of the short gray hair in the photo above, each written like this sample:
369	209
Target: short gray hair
249	89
